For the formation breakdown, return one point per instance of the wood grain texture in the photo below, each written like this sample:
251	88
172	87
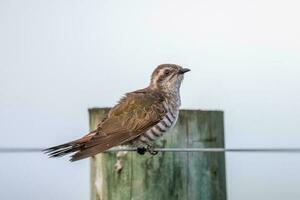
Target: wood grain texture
168	175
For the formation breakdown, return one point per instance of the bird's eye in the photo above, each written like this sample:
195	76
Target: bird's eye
167	72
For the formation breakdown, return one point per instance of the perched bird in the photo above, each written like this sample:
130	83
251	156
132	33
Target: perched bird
140	118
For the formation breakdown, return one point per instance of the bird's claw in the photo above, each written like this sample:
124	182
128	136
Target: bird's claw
148	148
141	150
151	150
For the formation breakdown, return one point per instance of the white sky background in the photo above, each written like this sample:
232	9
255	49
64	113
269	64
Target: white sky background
58	58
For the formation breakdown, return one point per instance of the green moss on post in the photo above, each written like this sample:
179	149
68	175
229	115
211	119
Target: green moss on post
168	175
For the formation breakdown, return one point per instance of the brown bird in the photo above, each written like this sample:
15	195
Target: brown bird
140	118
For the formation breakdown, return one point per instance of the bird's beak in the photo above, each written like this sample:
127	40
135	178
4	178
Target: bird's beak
183	70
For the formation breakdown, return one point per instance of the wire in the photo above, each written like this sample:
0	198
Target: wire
20	150
217	150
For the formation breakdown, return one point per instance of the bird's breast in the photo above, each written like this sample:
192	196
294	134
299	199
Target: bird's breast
158	130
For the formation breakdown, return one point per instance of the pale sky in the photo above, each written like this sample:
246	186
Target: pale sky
59	58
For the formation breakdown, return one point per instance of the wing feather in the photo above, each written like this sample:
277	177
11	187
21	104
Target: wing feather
133	115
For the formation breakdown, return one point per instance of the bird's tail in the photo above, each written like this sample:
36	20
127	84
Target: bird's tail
63	149
67	148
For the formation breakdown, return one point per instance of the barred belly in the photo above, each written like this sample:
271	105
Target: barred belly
159	129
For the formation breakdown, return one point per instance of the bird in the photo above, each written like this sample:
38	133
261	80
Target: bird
140	118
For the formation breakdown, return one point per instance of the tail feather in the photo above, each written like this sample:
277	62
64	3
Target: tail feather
88	145
63	149
70	147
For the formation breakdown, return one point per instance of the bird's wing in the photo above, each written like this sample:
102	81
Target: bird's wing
133	115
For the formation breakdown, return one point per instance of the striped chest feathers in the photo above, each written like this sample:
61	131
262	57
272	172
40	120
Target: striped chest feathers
160	128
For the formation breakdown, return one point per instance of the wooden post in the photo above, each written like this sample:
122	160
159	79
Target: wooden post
167	175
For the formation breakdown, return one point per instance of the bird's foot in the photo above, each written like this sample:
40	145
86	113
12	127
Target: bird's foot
151	150
148	148
141	150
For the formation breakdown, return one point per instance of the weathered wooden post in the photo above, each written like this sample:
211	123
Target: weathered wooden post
168	175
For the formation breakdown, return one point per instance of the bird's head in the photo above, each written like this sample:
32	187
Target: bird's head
168	77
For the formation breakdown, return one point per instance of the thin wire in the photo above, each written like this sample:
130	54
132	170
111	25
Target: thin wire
220	150
20	150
